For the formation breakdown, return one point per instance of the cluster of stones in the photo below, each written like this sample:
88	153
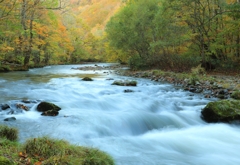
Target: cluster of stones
97	67
47	109
227	109
207	88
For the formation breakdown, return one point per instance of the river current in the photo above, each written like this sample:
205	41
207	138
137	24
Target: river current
156	124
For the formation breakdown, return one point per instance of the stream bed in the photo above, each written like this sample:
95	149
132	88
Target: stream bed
154	124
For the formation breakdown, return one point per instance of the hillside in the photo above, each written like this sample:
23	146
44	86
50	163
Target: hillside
95	13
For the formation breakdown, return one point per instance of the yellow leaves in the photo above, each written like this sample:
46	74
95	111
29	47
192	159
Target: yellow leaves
24	158
4	48
231	1
22	155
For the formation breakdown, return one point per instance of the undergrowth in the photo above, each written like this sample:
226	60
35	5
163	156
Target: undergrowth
47	151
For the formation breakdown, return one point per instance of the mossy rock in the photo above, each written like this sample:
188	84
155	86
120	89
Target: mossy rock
221	111
87	79
46	106
236	95
125	83
5	161
50	113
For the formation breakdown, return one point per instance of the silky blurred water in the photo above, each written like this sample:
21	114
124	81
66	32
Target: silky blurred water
155	124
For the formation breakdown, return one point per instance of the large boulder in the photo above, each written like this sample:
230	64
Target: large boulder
221	111
4	106
50	113
46	106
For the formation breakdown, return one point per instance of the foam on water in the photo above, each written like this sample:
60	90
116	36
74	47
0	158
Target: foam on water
155	124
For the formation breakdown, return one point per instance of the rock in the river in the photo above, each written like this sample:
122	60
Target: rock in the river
10	119
128	91
50	113
4	106
87	79
46	106
21	106
125	83
221	111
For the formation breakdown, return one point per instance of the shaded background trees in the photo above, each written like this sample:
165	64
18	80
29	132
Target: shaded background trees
166	34
178	34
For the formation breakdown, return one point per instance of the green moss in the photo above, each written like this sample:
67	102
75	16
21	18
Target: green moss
125	83
236	95
46	106
224	111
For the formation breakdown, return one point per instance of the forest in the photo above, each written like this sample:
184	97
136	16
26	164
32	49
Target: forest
172	35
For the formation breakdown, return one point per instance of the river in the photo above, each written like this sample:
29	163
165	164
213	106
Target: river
156	124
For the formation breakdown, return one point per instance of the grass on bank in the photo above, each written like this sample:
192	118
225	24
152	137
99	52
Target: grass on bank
46	151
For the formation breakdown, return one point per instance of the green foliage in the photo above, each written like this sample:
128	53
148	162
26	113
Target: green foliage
8	133
132	29
136	62
236	95
5	161
198	70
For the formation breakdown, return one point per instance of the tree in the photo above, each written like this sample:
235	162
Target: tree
132	28
209	24
29	10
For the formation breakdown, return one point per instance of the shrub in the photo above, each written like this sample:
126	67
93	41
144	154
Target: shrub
198	70
5	161
8	133
136	62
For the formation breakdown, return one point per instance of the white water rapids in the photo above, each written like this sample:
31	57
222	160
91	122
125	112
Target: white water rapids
154	125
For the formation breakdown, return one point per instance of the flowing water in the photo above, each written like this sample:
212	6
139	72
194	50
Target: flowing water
156	124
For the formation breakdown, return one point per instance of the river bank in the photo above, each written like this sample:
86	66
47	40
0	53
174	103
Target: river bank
209	84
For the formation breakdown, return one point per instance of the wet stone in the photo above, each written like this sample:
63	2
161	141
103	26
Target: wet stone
10	119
